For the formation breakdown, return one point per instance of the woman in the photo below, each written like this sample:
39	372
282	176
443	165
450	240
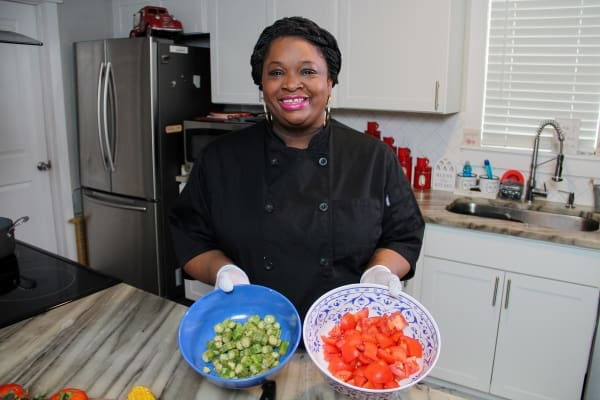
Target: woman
298	202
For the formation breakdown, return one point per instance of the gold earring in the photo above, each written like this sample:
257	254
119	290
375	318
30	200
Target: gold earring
268	115
327	112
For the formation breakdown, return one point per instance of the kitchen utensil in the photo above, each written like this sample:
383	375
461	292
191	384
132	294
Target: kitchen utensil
488	169
7	234
489	186
513	175
510	189
465	183
269	390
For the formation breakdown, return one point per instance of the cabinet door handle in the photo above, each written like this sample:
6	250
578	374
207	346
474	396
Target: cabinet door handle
437	92
507	293
495	291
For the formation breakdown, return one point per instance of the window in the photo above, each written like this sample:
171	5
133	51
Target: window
543	62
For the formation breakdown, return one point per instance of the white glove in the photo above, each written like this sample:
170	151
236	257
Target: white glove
380	274
230	275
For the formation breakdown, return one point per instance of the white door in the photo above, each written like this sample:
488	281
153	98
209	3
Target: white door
24	189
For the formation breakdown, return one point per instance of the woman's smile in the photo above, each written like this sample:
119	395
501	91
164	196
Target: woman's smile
292	103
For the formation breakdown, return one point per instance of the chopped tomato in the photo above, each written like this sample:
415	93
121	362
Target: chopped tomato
349	351
348	321
413	346
371	352
13	391
336	363
69	394
378	372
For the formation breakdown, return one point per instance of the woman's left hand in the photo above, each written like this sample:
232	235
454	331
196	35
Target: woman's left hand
380	274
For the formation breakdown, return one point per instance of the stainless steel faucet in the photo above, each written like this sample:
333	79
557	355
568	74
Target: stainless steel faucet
532	190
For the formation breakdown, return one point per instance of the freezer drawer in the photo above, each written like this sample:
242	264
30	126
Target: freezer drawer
122	239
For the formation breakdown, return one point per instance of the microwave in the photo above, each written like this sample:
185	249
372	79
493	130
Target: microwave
197	134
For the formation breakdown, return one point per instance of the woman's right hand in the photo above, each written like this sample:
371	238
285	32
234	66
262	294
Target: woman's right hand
230	275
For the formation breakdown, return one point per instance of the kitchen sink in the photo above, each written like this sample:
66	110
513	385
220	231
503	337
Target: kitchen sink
531	214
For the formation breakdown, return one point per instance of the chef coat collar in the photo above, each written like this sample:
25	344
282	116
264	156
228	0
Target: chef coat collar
318	143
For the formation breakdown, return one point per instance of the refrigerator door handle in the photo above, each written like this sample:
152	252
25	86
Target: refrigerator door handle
109	151
99	112
114	204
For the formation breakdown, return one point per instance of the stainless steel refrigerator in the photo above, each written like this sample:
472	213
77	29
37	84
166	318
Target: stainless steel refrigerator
133	95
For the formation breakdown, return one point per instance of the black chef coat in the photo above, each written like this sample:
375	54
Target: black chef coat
301	221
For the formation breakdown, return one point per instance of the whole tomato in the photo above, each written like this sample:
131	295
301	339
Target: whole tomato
69	394
13	391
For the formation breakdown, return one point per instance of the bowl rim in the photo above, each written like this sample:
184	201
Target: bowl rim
366	390
254	380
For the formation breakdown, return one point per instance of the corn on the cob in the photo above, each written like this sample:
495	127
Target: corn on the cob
140	393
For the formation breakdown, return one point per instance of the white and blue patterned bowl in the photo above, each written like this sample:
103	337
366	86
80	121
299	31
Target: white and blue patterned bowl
327	310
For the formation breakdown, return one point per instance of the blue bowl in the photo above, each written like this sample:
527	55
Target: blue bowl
196	327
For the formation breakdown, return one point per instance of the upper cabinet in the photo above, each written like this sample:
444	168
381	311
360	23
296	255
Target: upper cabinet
402	55
234	26
396	55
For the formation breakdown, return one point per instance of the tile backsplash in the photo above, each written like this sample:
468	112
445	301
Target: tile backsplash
440	136
426	135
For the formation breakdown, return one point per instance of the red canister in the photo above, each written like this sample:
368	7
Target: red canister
390	142
373	129
406	162
422	180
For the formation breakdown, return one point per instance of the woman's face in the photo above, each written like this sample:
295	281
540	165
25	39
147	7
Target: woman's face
296	86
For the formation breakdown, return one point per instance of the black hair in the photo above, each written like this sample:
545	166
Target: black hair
301	27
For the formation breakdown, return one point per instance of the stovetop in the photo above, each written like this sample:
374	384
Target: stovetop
33	281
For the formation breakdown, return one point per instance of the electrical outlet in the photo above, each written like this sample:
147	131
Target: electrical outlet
471	137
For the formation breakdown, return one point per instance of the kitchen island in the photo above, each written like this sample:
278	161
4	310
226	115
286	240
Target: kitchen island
120	337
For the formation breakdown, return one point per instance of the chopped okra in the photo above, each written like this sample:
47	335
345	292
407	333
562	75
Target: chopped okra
244	349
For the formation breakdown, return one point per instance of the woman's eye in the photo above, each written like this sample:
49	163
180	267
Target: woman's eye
276	72
308	71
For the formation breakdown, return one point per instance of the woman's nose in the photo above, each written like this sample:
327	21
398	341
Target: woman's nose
293	82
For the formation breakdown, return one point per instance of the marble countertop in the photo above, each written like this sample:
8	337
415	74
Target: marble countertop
433	206
120	337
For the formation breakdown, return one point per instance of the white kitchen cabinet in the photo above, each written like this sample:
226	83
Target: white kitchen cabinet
402	56
516	316
234	27
397	56
460	298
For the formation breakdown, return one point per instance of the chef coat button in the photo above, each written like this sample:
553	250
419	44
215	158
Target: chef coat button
274	161
323	206
323	161
323	262
268	265
269	207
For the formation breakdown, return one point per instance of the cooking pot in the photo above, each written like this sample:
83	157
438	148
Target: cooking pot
7	235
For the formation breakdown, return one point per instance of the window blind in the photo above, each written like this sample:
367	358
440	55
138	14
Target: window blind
543	62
